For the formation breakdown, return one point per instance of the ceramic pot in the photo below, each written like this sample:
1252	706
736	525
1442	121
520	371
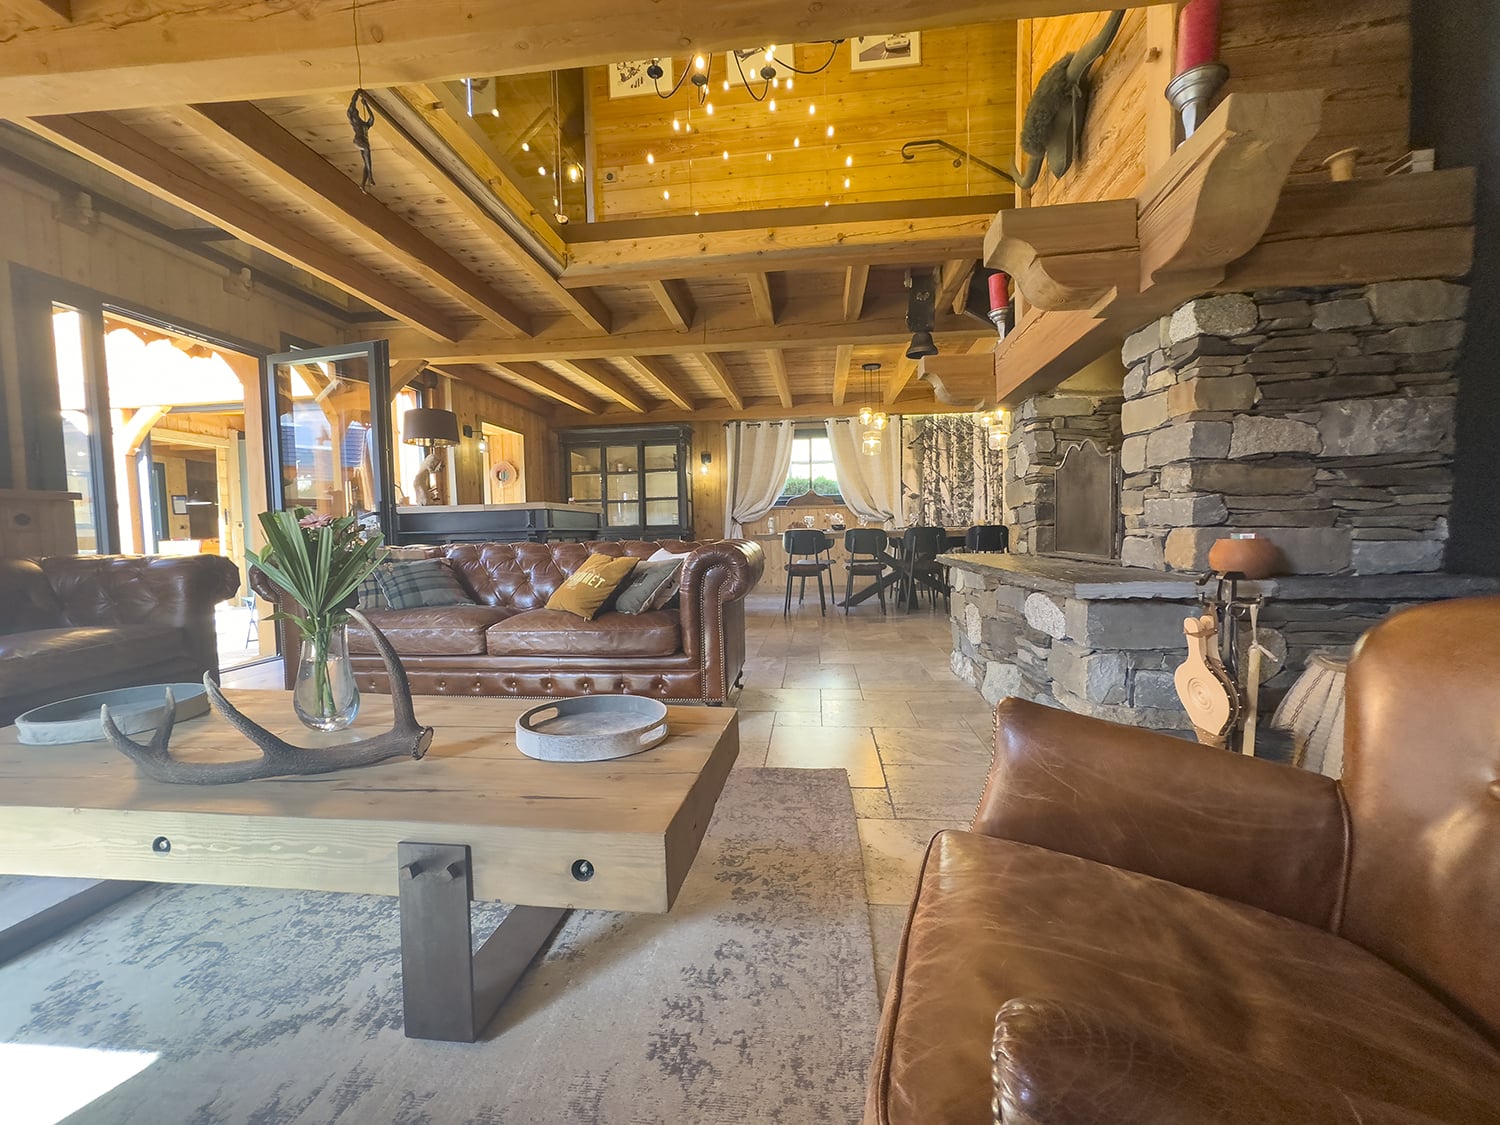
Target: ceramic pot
1254	556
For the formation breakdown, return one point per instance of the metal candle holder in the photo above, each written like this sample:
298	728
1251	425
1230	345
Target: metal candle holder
1192	92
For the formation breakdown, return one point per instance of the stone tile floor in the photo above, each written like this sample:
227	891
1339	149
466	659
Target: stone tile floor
868	694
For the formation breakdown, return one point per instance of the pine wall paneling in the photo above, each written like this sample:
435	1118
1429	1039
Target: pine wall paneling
963	92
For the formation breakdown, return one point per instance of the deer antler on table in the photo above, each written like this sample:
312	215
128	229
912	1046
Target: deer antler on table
406	738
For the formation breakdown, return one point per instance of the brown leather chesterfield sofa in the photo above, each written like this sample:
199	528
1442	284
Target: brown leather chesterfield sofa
77	624
510	644
1143	930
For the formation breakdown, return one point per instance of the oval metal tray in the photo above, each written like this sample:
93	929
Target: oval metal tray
134	709
591	728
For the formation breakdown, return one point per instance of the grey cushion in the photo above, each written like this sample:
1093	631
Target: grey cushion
651	586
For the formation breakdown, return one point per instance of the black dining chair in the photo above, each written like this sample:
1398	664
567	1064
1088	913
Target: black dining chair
987	537
866	546
807	556
920	570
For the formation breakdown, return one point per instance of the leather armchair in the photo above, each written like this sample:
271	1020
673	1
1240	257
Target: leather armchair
75	624
1139	929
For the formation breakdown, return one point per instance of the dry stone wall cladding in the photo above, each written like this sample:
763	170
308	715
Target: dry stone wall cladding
1322	418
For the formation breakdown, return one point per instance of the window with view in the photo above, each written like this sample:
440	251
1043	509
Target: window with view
812	468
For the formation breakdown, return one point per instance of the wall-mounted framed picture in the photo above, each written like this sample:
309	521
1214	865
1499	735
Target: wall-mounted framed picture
630	80
880	52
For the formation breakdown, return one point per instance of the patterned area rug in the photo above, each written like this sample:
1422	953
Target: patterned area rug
753	1001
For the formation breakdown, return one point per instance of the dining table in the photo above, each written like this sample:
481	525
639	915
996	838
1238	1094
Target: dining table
894	575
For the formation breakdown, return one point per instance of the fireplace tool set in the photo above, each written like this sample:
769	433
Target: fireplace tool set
1219	682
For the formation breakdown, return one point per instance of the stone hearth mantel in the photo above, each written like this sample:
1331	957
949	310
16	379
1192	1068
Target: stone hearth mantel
1098	581
1103	639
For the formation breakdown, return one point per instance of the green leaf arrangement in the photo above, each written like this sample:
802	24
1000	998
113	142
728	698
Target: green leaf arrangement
319	561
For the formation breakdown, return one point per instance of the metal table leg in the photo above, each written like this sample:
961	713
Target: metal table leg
449	992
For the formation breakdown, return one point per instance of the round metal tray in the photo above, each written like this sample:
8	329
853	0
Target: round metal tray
134	709
591	728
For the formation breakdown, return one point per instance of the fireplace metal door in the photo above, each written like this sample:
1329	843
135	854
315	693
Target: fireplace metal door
1088	502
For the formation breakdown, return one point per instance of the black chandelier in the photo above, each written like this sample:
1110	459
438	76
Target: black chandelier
769	71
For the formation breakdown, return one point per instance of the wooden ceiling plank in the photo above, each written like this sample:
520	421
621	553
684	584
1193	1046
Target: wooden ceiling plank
760	297
581	303
239	50
135	158
842	360
808	409
675	301
660	379
604	382
902	240
549	383
719	373
777	359
856	279
819	324
259	143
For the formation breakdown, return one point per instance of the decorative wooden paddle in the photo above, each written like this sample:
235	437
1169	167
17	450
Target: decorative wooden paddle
1203	685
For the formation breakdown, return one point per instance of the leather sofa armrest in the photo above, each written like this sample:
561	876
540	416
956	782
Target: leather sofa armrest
713	574
1267	835
1057	1064
177	590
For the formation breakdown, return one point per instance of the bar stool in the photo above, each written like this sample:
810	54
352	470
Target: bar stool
987	537
865	545
812	547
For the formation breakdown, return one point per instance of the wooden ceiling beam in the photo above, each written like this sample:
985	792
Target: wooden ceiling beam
760	297
661	380
831	245
856	278
415	134
906	371
404	372
721	377
842	360
548	382
42	13
604	382
257	142
675	301
805	409
777	359
104	141
242	50
815	324
966	381
491	384
953	283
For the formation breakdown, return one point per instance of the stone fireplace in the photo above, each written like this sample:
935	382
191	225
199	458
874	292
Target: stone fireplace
1320	418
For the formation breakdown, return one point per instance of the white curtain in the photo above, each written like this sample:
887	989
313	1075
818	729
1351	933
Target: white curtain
760	455
871	485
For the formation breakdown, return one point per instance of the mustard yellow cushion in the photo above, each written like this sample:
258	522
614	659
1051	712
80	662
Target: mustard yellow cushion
590	586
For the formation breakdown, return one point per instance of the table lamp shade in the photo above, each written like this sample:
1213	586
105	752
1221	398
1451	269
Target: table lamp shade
422	426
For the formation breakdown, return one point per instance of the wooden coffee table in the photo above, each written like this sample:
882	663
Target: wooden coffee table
473	820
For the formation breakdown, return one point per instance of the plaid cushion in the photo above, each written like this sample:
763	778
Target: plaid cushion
368	595
411	585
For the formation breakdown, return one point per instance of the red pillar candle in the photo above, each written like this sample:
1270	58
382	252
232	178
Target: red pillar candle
1198	34
999	291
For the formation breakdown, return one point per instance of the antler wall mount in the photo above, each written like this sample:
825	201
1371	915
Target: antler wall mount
406	738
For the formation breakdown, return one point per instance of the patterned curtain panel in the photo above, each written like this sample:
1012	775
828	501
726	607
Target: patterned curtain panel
953	478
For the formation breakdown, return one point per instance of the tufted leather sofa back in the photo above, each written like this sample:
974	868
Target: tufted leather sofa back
524	575
26	598
1422	780
102	590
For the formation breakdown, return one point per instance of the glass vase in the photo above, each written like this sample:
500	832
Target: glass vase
324	696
